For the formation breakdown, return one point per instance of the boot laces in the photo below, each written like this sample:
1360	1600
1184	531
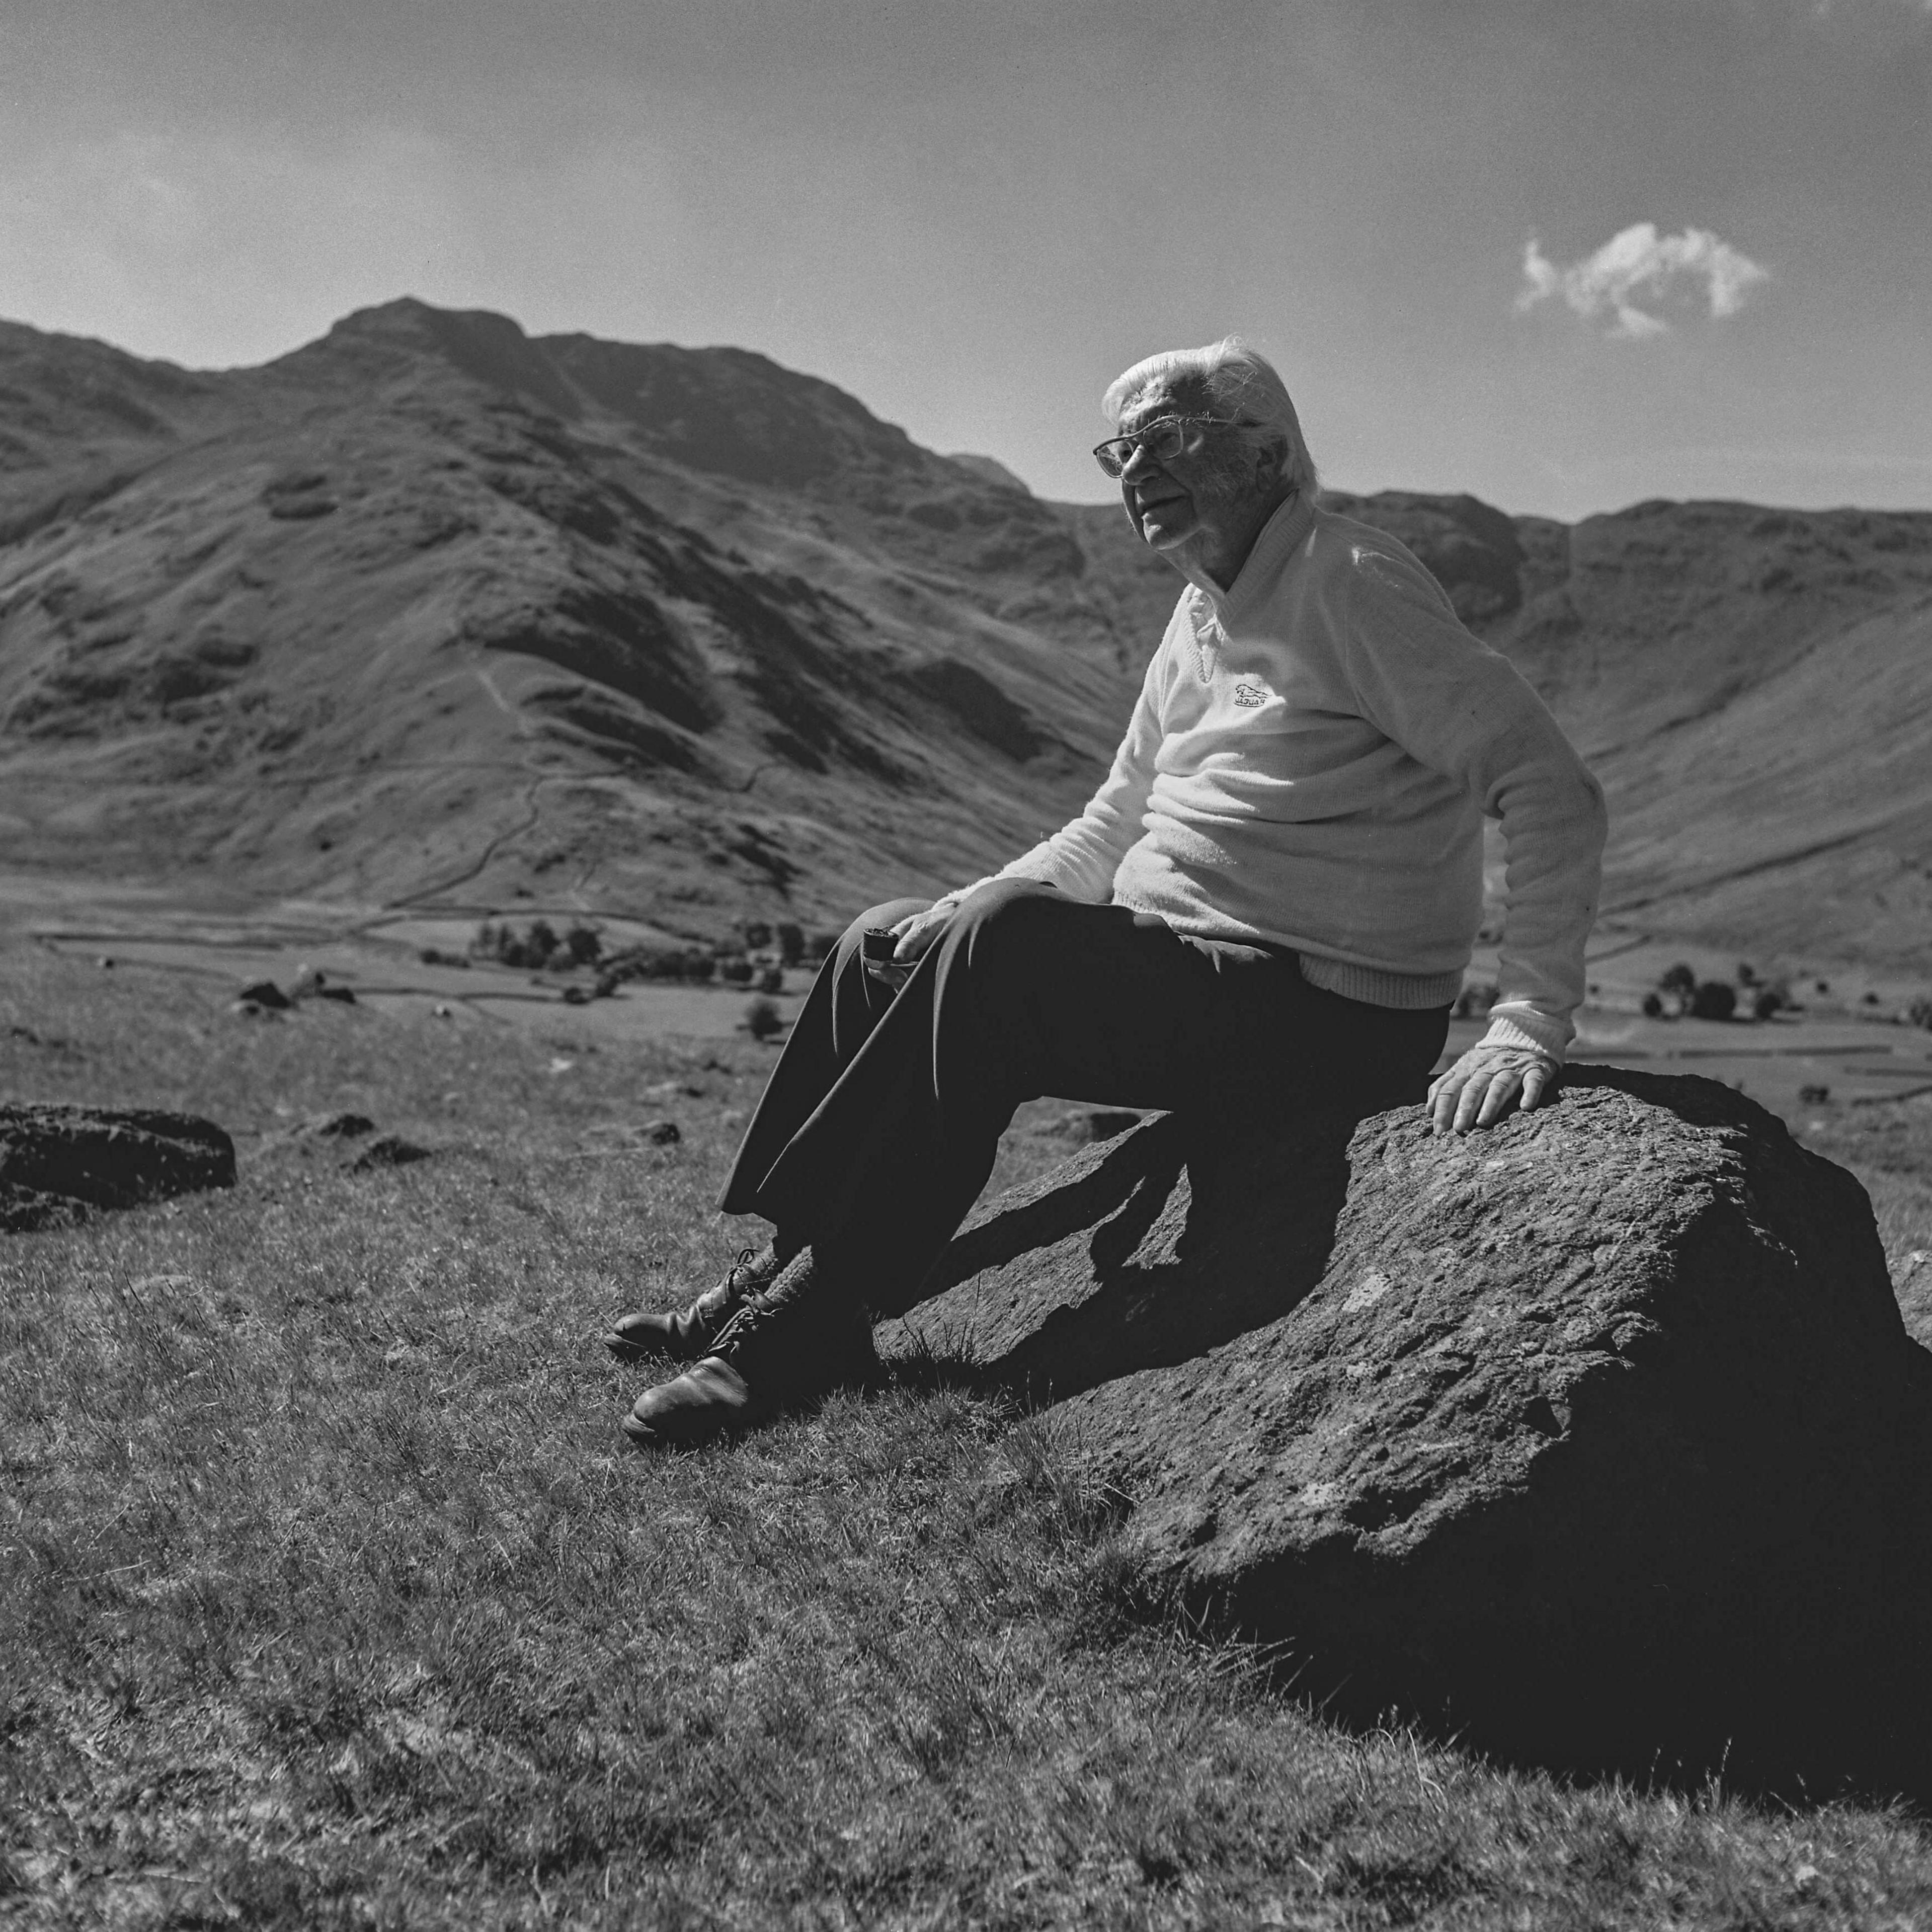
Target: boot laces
739	1282
816	1332
751	1316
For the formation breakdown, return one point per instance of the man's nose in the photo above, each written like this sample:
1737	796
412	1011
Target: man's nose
1138	465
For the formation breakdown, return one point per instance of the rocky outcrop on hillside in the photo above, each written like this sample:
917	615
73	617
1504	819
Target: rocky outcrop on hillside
1588	1431
58	1161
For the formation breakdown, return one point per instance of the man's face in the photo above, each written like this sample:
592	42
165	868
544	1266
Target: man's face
1209	492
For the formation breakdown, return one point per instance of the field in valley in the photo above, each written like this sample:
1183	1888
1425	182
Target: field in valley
331	1595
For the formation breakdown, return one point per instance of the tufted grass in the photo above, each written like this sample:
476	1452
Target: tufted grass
329	1594
1889	1148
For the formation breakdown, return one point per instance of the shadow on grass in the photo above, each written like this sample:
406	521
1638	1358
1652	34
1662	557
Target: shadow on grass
1826	1696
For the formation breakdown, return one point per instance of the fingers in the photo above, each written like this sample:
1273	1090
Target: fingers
914	942
1502	1090
1480	1088
917	932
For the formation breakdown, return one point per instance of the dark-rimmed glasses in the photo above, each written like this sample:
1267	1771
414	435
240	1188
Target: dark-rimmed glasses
1163	438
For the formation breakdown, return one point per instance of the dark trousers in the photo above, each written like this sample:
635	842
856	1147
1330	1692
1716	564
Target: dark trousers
881	1120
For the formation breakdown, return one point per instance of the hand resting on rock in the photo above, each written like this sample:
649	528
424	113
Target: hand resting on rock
1477	1091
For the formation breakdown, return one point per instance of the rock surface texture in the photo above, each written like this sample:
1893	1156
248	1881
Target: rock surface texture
1599	1421
55	1162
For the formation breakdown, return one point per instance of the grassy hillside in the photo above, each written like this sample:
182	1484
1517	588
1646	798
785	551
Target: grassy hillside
331	1596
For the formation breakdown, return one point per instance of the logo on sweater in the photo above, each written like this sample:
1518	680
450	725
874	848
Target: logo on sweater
1250	697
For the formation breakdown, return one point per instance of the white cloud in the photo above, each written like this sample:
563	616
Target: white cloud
1640	261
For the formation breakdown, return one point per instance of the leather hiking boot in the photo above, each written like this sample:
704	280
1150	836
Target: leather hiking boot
709	1399
686	1334
778	1348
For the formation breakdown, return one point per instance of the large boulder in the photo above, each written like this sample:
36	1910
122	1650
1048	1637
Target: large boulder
1592	1429
56	1161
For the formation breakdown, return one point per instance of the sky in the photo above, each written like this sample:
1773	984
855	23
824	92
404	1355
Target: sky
1564	254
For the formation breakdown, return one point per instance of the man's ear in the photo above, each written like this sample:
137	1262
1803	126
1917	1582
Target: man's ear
1270	464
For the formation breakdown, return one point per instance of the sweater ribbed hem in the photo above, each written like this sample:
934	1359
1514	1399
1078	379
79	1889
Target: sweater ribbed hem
1406	992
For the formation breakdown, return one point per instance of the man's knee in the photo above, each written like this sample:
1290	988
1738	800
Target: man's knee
1004	914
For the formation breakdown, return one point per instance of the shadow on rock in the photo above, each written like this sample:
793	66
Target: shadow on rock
1597	1437
1121	1260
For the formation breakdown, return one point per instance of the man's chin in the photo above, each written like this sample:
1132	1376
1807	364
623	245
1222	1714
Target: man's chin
1163	532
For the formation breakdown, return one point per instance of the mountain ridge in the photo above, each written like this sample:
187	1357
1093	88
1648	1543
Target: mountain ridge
431	606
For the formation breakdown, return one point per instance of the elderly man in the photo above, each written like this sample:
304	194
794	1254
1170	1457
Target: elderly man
1267	905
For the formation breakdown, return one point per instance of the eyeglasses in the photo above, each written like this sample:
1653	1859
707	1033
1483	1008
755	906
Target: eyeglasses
1163	438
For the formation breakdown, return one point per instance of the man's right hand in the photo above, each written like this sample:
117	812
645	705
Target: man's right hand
917	932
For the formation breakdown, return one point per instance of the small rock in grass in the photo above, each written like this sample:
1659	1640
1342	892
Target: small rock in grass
266	994
58	1161
342	995
391	1150
344	1126
665	1134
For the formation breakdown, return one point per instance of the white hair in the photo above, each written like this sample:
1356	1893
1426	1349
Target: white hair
1240	385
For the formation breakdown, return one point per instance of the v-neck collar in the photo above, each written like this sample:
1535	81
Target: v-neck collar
1280	537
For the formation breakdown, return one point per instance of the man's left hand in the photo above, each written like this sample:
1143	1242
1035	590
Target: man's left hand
1478	1091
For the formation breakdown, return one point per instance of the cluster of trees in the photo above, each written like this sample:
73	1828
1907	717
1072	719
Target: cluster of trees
756	958
788	937
696	968
539	945
1679	991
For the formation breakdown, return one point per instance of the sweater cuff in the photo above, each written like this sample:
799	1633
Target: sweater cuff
1524	1028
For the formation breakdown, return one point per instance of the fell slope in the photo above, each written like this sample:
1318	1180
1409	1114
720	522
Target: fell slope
427	607
1754	687
430	610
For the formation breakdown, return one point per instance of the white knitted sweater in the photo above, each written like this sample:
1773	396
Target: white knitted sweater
1309	765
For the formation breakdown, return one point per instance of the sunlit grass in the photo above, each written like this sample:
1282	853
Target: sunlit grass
329	1593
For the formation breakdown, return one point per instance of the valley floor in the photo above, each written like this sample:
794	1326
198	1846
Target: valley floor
1844	1045
331	1595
